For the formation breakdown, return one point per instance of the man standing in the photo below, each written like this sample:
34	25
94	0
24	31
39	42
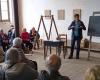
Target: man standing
76	26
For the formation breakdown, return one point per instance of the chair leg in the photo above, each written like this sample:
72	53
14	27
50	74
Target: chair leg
65	51
59	50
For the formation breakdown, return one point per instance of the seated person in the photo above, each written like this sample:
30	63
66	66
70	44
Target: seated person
13	70
93	73
5	40
17	43
53	64
33	35
26	39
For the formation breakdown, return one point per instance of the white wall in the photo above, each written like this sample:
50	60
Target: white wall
32	9
20	12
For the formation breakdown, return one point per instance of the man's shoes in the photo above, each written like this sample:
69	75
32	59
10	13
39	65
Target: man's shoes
70	57
34	48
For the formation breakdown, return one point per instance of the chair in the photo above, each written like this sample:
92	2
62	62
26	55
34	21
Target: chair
26	49
63	37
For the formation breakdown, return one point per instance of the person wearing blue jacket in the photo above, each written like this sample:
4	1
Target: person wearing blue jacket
11	34
76	26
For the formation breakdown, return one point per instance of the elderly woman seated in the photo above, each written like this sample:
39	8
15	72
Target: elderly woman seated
13	70
34	37
53	64
17	43
26	39
93	73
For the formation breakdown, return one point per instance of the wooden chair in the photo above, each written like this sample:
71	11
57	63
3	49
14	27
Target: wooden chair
63	37
26	50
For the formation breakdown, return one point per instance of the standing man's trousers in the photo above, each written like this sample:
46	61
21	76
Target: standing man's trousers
78	41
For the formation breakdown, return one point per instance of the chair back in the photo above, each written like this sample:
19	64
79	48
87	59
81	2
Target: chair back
63	37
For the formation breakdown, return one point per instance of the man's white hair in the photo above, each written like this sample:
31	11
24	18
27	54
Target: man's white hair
17	42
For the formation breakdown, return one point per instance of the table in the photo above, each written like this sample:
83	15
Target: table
58	44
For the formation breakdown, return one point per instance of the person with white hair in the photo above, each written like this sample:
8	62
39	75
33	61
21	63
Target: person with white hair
13	69
17	43
93	73
53	64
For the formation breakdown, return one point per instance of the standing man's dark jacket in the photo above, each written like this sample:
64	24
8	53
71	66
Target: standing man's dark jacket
80	27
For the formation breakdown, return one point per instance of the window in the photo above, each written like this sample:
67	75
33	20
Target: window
4	10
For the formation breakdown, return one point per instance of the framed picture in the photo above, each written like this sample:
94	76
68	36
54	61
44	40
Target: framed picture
61	14
47	13
77	11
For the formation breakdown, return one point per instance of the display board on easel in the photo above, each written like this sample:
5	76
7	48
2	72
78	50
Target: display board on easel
93	29
94	26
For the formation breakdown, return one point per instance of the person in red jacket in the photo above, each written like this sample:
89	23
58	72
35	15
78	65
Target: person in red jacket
26	39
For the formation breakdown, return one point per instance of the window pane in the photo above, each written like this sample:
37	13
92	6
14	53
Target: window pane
4	15
4	6
3	0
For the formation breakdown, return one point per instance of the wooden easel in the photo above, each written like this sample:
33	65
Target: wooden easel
52	22
90	40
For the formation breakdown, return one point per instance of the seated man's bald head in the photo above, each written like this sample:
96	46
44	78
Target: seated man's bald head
53	62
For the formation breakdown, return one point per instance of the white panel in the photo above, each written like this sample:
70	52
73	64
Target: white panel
4	6
3	0
4	15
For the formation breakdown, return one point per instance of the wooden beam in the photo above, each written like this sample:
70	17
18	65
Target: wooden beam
16	17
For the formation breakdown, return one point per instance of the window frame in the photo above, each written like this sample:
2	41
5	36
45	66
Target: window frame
8	20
